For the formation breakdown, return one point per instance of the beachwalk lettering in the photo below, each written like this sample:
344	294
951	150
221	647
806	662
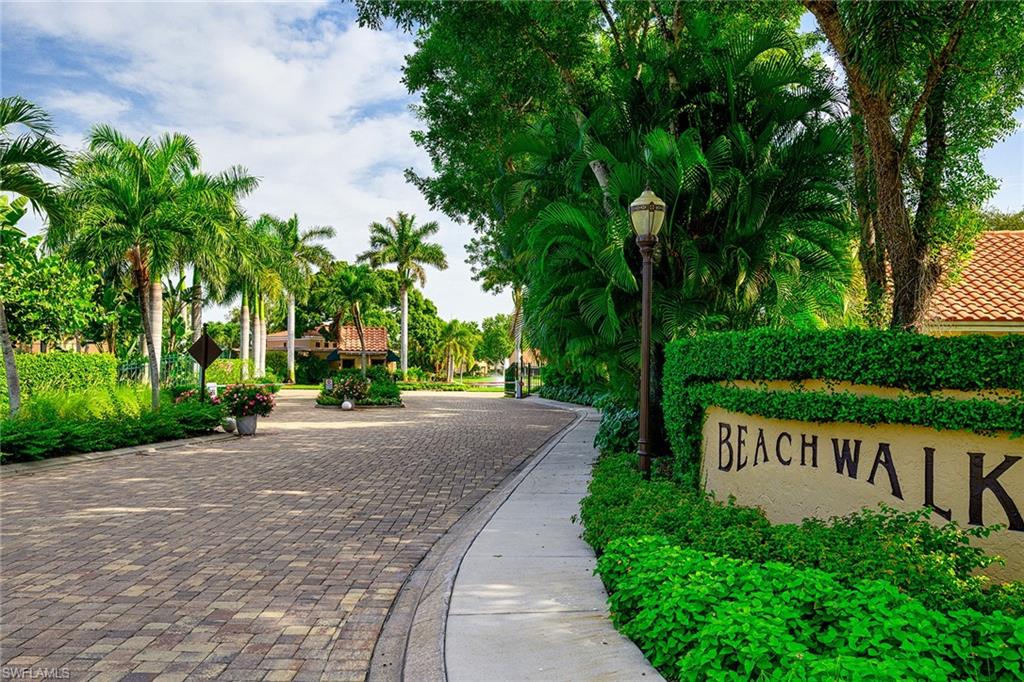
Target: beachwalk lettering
739	448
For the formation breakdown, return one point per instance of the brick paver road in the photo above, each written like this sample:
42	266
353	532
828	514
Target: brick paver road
271	558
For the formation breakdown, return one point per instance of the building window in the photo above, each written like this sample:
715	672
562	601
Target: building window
317	344
348	363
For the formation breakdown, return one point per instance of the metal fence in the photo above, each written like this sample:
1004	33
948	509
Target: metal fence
529	375
175	368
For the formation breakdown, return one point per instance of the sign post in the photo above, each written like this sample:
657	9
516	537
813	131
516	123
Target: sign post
205	350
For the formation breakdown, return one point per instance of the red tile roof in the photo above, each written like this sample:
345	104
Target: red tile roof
376	339
992	286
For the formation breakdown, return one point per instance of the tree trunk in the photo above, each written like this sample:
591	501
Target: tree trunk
517	325
358	320
197	306
143	291
243	349
930	196
405	331
261	336
156	293
893	221
451	367
291	338
10	369
257	329
871	252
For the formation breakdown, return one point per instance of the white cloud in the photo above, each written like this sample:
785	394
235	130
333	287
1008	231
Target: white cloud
89	107
297	93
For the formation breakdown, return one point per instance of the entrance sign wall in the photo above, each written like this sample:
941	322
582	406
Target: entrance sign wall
795	470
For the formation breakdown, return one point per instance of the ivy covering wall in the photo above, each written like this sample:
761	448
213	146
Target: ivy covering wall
700	372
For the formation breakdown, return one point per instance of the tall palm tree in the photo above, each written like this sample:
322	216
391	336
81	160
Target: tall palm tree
299	256
135	202
351	289
456	345
400	242
213	238
262	281
22	157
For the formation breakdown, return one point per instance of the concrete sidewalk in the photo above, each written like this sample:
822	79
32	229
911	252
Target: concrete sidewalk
525	603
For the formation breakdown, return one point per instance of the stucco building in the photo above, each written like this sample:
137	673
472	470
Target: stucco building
343	354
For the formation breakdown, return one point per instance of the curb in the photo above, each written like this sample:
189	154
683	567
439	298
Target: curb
411	645
356	408
39	466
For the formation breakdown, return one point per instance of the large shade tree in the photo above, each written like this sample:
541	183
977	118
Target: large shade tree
931	85
400	242
712	104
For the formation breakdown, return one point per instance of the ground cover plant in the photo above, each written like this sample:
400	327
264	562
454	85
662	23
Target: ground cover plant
51	425
711	589
698	615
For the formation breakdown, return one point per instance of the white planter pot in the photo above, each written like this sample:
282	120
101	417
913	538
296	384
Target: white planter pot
246	425
228	424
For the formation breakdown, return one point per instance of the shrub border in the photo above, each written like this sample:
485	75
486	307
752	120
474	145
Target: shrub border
695	367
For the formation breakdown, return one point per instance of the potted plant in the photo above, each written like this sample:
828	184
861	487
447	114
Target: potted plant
247	402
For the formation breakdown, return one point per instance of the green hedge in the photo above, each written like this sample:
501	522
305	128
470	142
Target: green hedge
60	371
225	371
697	372
916	362
444	386
699	616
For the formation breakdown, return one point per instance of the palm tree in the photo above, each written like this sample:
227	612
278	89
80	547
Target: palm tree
456	345
213	237
262	281
135	202
299	256
401	243
24	155
351	289
21	159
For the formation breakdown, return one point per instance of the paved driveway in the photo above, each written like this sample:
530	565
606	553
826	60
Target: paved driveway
271	558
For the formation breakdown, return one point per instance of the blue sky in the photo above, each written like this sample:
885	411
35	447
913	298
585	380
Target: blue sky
295	92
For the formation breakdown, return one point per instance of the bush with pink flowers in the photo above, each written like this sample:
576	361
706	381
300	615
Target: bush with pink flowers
243	400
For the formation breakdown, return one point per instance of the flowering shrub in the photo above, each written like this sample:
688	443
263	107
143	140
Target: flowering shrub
193	394
351	385
243	400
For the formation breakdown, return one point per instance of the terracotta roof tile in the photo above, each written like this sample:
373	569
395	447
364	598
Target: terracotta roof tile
992	286
376	338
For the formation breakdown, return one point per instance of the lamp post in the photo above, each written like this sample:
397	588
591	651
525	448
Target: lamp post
647	212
